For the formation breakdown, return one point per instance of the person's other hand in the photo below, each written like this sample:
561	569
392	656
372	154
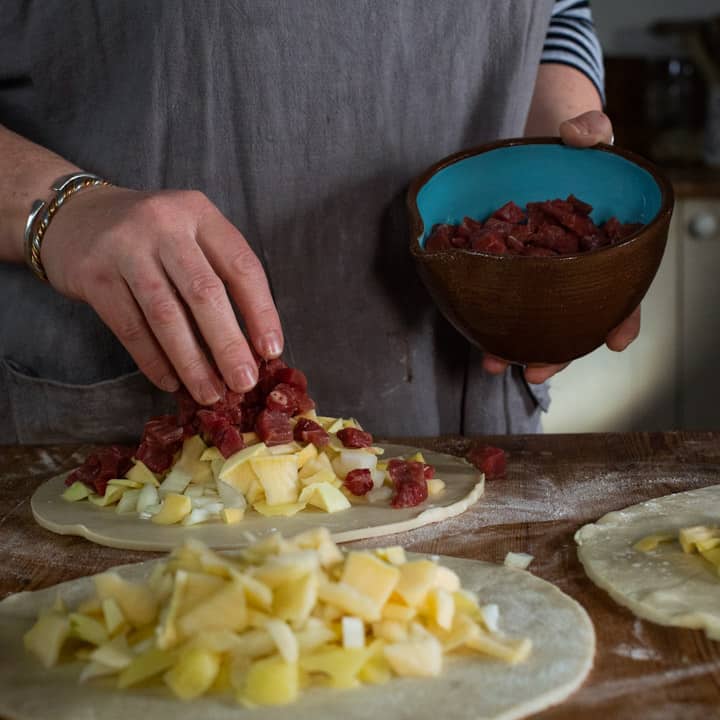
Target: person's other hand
584	130
159	269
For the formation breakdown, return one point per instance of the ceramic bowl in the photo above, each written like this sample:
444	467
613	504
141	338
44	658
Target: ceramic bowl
534	310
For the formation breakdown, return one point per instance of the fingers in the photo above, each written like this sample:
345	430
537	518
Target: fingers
170	325
494	365
119	311
207	300
536	375
619	338
234	260
587	129
541	373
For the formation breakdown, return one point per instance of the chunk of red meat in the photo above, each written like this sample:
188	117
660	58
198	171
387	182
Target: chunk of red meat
536	217
460	242
186	407
273	428
211	422
593	242
409	483
304	403
490	242
230	405
616	231
283	399
163	431
354	438
157	459
359	481
292	376
555	238
514	246
509	212
520	232
101	466
308	431
578	205
429	471
469	227
489	460
440	238
228	441
500	226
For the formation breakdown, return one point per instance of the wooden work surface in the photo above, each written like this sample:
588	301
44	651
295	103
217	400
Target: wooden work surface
554	484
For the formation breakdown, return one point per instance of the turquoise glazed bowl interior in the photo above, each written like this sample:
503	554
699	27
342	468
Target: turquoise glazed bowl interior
480	184
528	309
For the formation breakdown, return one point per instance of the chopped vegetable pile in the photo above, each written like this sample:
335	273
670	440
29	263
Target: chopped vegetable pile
281	616
700	539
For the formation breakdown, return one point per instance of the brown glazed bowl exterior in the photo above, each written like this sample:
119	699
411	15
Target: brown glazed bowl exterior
536	310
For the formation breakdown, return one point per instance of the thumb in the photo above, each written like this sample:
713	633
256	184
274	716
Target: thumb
588	129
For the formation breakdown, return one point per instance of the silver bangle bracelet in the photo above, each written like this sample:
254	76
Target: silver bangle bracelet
42	213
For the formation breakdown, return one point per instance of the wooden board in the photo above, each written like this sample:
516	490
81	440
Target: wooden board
554	484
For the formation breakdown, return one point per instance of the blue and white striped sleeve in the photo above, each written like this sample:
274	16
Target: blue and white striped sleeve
571	40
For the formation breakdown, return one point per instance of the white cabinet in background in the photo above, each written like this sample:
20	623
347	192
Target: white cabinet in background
669	378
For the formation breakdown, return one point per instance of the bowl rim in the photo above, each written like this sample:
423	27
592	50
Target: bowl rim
417	226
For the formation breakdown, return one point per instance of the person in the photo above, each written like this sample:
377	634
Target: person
258	155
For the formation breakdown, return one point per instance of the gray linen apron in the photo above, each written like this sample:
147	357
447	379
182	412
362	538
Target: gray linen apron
304	121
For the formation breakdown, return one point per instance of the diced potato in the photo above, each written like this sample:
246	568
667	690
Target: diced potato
193	673
112	494
348	599
271	682
145	666
174	508
210	454
284	640
391	630
283	510
441	605
112	615
511	651
278	476
125	483
340	665
324	496
376	671
369	575
435	486
114	654
396	611
88	629
323	475
309	452
93	670
294	601
289	448
415	658
417	457
279	569
232	516
138	604
314	634
231	471
257	593
141	473
319	539
417	578
77	491
689	537
47	636
224	610
395	554
318	464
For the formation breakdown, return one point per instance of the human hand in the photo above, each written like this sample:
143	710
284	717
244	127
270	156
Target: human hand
155	266
583	130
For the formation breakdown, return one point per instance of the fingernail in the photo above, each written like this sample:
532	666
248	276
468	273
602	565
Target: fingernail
244	378
169	383
207	393
580	127
271	344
